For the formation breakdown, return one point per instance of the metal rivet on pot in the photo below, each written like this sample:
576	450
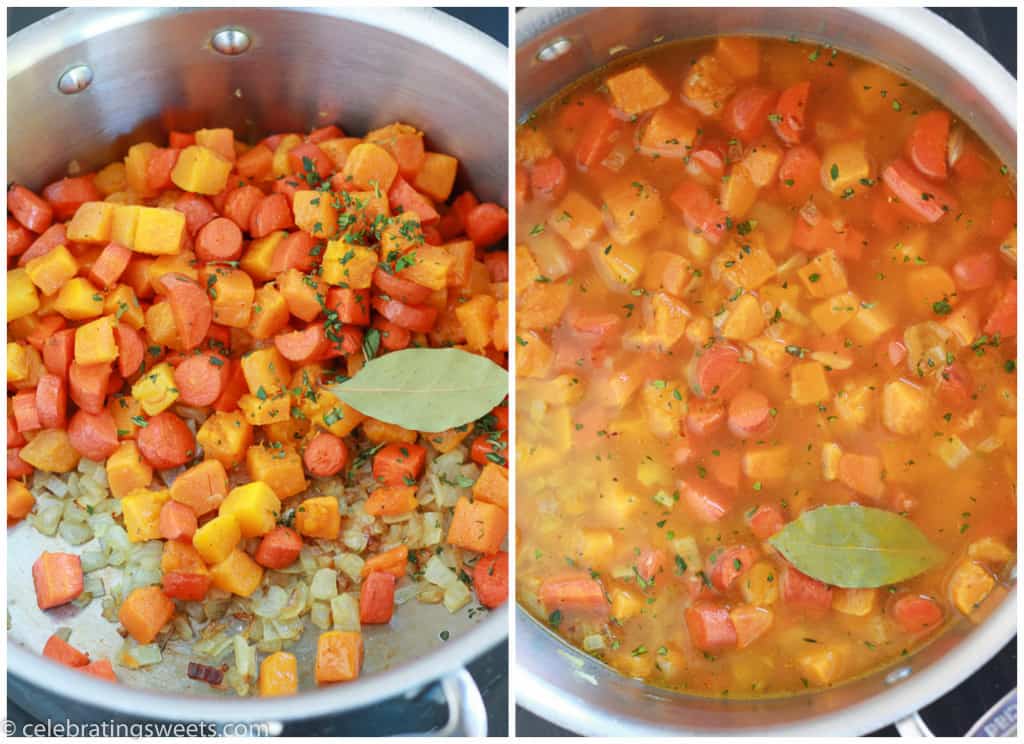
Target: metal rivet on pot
898	675
75	79
231	41
554	50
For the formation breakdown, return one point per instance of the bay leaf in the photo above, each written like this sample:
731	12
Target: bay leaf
426	389
856	547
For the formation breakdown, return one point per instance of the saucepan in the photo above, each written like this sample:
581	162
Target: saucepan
555	47
83	85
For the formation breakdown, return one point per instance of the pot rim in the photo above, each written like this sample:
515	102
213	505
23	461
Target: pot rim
473	50
999	88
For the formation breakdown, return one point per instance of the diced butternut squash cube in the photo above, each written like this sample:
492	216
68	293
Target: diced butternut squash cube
136	163
744	319
738	192
431	266
201	171
159	232
873	86
666	320
664	403
265	369
318	517
331	413
746	266
339	656
770	464
492	486
255	506
931	289
862	474
844	165
265	411
279	675
577	220
279	164
22	298
969	586
904	407
221	141
476	316
92	223
156	390
821	666
78	299
141	510
635	208
478	526
835	312
259	255
127	471
316	213
50	271
626	603
124	223
122	303
278	467
760	585
94	342
808	384
671	128
869	323
216	539
636	90
50	450
348	265
824	275
830	455
619	263
857	602
989	550
238	573
369	167
436	177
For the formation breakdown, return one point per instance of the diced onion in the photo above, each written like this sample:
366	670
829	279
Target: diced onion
75	533
349	564
320	615
325	584
456	596
271	603
345	612
594	642
439	574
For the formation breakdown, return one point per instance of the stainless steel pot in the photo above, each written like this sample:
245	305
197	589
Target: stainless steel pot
555	47
85	84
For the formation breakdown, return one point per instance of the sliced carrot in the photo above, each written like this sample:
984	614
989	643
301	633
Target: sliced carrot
497	265
58	579
219	240
1003	318
490	448
14	437
955	387
599	135
392	336
93	435
47	326
574	593
927	143
298	250
159	166
19	237
710	627
353	305
916	613
707	501
197	209
925	200
279	548
234	389
650	563
723	567
181	140
410	201
462	205
68	194
802	591
201	379
746	114
322	134
191	586
377	598
799	174
191	307
273	212
325	455
765	521
393	561
486	224
100	668
749	414
177	521
130	349
26	412
705	418
721	373
166	442
62	652
415	318
28	208
240	205
110	264
398	464
490	579
16	467
1002	217
53	236
548	179
700	211
145	612
397	288
789	122
308	159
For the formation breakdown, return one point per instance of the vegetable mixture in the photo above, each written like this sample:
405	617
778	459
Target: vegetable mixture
766	367
183	329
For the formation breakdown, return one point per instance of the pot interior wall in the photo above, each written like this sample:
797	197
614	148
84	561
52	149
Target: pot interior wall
158	72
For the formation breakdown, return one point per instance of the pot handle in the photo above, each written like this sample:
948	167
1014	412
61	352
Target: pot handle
466	713
1000	720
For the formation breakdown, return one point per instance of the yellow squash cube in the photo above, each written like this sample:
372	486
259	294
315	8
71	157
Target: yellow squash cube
22	298
155	390
217	538
280	165
78	299
92	223
255	506
141	510
237	573
201	171
260	254
94	342
224	437
348	265
52	270
159	231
